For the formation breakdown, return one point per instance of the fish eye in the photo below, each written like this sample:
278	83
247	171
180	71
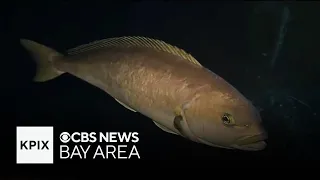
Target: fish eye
227	119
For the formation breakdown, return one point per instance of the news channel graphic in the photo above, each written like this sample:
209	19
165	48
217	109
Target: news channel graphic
35	145
99	145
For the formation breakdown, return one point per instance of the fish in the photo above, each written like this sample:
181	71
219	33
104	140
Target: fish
162	82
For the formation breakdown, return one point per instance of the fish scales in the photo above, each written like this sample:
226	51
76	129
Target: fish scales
162	82
136	76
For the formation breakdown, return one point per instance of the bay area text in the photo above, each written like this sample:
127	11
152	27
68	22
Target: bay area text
99	151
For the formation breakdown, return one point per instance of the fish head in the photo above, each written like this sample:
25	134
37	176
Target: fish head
226	120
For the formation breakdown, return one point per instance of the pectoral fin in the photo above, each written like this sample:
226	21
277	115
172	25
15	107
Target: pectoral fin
125	105
164	128
177	123
181	124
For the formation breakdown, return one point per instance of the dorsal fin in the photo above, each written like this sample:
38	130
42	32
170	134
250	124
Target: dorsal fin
134	41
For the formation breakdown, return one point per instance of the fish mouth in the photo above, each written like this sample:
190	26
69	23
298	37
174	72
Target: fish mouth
253	146
251	143
246	143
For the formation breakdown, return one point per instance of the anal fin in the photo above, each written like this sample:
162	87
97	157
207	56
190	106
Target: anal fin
125	105
164	128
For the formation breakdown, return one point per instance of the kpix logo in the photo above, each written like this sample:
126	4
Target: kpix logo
34	145
29	145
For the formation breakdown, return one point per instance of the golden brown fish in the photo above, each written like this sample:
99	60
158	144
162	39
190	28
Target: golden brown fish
163	83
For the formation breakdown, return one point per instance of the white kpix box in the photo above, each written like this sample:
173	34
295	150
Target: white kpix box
34	145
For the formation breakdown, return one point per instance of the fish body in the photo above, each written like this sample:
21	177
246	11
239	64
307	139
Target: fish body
163	83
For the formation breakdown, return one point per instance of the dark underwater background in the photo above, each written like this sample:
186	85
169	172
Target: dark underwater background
268	50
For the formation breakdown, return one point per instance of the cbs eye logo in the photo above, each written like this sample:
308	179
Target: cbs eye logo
78	137
65	137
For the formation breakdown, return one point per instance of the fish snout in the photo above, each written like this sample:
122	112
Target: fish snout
252	139
252	143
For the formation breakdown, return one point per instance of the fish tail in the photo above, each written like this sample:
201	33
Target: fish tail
44	57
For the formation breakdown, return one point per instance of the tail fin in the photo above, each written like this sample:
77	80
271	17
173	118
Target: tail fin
43	56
